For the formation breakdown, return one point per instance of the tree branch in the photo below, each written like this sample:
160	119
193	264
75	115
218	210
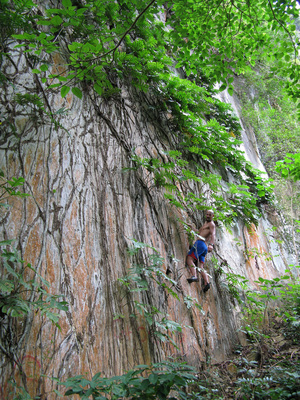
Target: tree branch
286	30
123	36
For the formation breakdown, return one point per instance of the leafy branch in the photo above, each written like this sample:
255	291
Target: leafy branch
285	29
124	34
149	382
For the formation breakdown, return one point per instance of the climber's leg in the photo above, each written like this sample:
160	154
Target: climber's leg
205	277
203	273
190	263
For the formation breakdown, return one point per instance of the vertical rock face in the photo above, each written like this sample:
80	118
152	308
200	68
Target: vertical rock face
86	207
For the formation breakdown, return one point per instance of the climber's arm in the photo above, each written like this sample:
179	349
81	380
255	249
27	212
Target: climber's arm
212	237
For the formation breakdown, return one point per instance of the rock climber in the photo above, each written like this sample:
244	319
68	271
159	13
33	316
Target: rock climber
203	245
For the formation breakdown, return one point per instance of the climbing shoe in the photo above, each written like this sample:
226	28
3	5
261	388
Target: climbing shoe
206	287
193	279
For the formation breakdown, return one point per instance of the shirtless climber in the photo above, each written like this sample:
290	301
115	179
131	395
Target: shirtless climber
199	250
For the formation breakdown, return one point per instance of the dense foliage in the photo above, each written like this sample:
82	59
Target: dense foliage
144	382
272	114
108	43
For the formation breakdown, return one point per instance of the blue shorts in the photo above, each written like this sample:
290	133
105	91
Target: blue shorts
198	251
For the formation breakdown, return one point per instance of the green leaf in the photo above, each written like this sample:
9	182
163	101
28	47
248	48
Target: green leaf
6	242
54	85
56	20
98	89
64	91
77	92
153	378
44	67
20	37
67	3
230	90
80	11
44	22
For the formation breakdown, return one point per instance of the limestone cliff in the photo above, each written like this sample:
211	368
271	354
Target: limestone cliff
86	209
79	222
